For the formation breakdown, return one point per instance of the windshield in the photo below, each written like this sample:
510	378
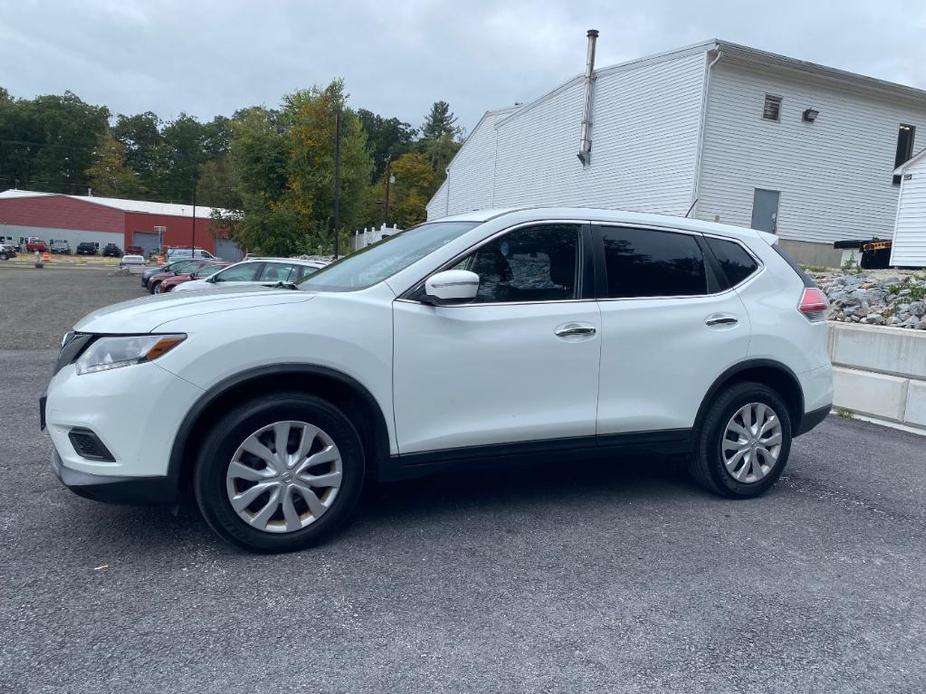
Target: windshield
375	263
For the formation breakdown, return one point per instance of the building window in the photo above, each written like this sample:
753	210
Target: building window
904	147
772	109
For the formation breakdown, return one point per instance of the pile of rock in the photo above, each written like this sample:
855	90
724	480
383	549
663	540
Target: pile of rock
876	297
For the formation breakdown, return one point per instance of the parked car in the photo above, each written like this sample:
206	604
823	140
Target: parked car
60	247
532	334
178	280
87	248
256	271
177	253
135	250
131	260
7	251
111	250
34	245
164	267
178	267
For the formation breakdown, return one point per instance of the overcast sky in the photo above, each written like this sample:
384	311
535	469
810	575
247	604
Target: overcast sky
398	56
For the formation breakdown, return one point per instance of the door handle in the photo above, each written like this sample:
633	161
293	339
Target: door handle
720	319
575	330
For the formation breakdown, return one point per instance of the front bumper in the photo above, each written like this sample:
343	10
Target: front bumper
134	411
148	491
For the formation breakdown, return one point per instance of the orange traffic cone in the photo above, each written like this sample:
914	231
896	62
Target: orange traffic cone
45	257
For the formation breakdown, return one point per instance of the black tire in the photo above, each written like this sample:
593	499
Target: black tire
219	446
3	256
706	465
155	287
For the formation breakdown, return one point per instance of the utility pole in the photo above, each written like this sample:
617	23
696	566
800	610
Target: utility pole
193	249
390	179
337	179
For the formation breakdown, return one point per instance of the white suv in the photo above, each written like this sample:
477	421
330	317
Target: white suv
489	336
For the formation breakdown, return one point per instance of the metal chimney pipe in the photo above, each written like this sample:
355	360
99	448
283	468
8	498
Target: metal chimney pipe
585	141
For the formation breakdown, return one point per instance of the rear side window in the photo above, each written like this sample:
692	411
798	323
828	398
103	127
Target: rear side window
735	263
648	263
805	278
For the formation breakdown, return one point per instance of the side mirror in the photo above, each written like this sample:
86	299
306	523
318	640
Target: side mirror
451	287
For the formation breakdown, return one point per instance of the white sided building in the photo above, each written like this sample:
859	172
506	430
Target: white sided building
909	249
718	131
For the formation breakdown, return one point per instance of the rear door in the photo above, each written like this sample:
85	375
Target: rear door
669	329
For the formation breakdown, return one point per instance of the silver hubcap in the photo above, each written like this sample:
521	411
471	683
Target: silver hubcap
752	442
284	476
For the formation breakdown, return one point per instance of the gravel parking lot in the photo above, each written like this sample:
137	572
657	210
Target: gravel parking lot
593	577
38	306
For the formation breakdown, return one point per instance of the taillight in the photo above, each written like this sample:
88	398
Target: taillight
813	304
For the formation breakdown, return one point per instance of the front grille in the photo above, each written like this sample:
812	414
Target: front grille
89	446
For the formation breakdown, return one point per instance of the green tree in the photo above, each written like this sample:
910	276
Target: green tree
109	176
258	155
178	158
140	136
310	117
217	184
440	141
387	138
414	184
48	142
440	121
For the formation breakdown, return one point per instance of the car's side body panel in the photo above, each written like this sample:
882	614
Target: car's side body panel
484	374
349	332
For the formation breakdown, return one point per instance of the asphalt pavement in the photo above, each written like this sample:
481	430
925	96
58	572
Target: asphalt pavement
618	576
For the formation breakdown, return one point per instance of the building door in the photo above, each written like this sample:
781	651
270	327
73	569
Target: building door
148	242
765	210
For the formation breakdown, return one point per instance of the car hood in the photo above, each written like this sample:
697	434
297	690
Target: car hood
146	314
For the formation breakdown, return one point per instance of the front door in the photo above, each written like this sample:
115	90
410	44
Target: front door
765	210
518	364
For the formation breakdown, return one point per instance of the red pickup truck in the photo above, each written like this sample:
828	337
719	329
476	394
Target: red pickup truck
33	245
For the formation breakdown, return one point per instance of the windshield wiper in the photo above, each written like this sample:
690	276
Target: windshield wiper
283	285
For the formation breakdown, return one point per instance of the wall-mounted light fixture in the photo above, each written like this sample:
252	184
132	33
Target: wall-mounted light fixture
810	115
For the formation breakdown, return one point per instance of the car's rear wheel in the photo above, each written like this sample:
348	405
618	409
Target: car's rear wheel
3	256
744	442
280	473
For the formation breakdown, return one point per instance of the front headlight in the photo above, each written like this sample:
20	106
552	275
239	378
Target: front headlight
113	352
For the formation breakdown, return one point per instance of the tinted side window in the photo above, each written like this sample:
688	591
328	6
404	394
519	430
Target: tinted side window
645	262
735	262
531	264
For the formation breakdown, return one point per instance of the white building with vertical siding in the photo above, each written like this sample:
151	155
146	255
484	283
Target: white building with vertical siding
718	131
909	249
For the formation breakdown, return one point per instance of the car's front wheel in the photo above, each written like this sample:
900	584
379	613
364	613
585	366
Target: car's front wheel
155	287
280	473
744	442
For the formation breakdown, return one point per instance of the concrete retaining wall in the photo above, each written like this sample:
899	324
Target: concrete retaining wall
879	372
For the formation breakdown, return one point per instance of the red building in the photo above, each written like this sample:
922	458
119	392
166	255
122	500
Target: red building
76	219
